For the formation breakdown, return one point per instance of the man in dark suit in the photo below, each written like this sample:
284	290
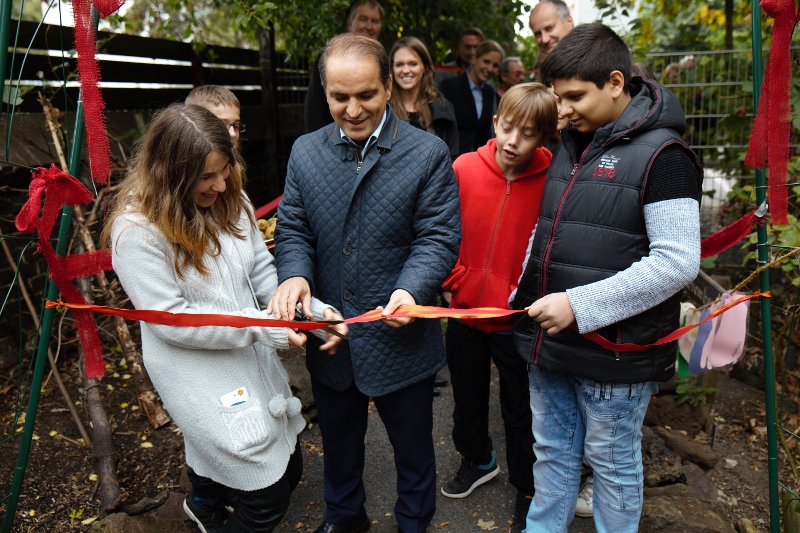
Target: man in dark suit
468	42
369	219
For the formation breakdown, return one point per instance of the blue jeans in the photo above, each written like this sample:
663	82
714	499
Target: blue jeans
573	418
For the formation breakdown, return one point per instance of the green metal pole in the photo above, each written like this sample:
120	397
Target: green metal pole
44	336
766	314
5	30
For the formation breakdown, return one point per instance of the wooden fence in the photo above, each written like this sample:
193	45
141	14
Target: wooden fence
140	75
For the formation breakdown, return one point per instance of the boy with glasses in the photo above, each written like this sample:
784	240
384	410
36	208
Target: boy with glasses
223	103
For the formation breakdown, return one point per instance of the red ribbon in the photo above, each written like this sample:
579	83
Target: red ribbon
675	335
89	71
769	141
406	311
730	235
60	188
268	208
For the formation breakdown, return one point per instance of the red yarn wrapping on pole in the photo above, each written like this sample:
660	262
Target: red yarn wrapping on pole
59	188
89	71
769	141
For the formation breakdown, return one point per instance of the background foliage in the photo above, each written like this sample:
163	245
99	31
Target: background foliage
301	28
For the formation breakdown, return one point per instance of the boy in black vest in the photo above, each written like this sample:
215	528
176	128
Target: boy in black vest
618	238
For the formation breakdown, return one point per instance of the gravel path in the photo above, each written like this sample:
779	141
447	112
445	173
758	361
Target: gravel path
493	502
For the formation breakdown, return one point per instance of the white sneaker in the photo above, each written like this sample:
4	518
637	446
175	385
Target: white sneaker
583	507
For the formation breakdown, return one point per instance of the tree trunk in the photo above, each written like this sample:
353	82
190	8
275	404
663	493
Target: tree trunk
266	55
105	463
729	24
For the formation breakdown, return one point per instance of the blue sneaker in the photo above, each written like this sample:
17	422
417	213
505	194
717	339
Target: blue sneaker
209	515
469	478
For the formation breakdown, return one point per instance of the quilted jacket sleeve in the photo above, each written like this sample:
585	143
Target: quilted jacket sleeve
294	238
437	230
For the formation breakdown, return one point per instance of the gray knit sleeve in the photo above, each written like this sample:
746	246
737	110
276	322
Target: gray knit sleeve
673	227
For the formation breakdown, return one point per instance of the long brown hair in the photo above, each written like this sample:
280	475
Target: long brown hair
427	90
166	169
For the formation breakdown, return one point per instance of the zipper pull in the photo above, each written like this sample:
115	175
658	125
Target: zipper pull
358	167
574	168
508	187
617	354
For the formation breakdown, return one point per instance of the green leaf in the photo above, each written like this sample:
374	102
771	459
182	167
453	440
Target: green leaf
11	95
709	262
734	122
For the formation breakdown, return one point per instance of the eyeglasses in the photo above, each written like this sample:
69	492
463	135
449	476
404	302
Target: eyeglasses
238	127
515	74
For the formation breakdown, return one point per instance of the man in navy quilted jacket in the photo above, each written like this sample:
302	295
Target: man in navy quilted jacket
369	219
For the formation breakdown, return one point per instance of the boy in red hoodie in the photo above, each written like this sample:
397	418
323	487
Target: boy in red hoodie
500	188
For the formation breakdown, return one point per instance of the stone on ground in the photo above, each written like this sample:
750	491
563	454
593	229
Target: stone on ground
662	466
169	518
677	509
698	481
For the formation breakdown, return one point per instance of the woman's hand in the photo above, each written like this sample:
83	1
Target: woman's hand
297	338
332	340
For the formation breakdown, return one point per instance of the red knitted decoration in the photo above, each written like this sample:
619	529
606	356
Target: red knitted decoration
769	141
60	188
89	71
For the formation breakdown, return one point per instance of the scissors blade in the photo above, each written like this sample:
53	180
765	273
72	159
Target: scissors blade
300	316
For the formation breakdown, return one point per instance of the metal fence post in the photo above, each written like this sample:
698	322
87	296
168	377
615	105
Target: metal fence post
44	335
766	316
49	314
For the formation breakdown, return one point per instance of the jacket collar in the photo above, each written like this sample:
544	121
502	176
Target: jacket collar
387	135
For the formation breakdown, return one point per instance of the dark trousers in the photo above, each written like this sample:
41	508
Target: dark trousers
257	511
469	357
407	415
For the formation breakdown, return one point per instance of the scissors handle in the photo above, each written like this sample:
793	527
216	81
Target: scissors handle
300	316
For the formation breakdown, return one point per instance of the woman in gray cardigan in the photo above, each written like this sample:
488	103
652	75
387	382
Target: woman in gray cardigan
183	239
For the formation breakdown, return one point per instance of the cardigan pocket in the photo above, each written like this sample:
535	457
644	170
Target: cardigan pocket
247	425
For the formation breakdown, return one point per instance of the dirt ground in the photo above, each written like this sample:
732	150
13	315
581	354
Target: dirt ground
59	493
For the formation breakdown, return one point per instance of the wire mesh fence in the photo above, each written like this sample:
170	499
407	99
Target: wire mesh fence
715	89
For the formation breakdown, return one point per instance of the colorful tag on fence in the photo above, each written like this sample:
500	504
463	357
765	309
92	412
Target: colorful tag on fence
718	342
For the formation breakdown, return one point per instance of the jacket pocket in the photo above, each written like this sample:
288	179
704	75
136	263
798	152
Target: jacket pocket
453	281
247	425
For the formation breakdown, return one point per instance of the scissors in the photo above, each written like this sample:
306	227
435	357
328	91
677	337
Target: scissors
300	316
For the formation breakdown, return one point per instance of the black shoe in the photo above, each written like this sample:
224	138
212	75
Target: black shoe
469	478
209	517
521	506
361	525
439	382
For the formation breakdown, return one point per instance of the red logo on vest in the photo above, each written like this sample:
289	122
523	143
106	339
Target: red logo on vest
607	167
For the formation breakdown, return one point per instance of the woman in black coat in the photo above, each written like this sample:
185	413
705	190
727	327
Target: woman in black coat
473	130
414	96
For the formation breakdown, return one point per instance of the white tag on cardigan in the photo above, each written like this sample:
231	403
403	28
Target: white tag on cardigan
234	398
